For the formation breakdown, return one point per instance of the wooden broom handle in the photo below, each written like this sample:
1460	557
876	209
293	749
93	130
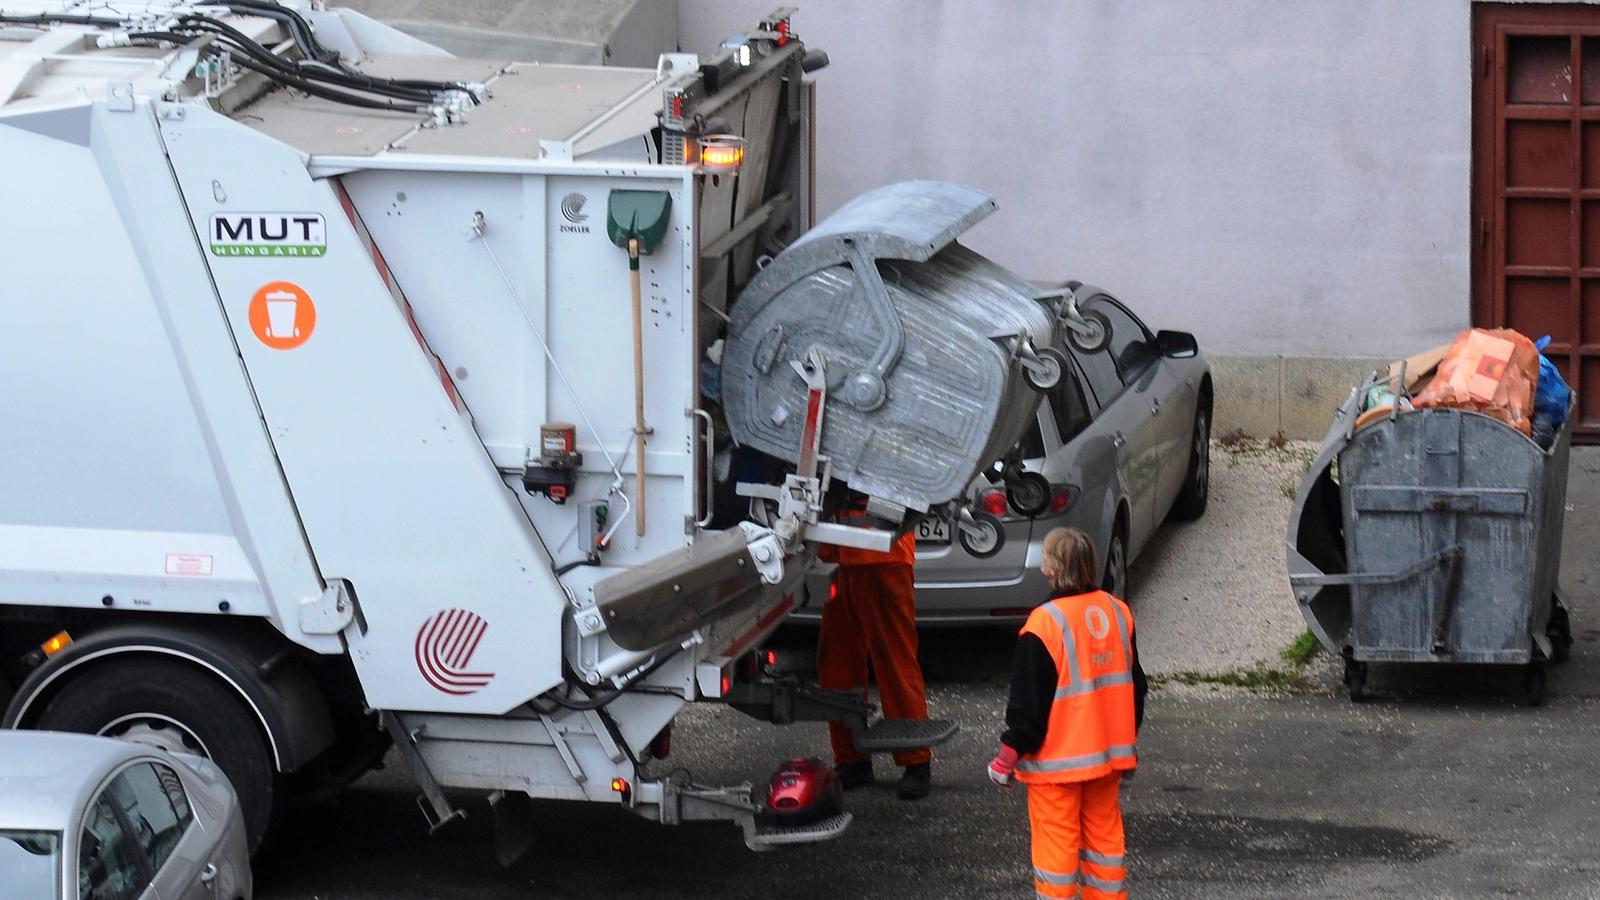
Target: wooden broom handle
638	387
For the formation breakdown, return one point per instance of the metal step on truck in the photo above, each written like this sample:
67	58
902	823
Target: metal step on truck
365	396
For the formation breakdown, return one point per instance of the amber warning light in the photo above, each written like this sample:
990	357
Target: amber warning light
56	644
721	152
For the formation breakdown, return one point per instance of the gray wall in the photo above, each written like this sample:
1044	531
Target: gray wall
1282	178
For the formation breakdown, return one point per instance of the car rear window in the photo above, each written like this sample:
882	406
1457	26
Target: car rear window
29	862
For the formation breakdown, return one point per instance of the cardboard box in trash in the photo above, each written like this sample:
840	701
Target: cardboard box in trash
1490	371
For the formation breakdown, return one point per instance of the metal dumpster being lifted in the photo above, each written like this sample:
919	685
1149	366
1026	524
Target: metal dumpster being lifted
934	355
1432	535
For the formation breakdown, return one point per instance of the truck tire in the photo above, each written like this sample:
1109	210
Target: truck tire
179	707
1196	490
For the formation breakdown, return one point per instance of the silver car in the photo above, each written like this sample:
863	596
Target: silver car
92	818
1122	443
1119	444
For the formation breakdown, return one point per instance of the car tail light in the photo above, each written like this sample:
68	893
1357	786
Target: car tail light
993	502
1060	499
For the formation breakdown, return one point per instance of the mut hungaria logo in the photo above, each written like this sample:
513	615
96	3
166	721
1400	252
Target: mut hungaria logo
268	234
445	644
572	211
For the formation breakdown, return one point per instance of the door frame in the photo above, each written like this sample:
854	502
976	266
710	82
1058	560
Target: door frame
1492	24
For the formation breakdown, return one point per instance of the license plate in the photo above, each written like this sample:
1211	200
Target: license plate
931	530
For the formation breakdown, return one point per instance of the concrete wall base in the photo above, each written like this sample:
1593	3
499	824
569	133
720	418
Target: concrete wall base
1295	395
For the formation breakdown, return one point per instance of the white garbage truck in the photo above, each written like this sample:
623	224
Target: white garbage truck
359	395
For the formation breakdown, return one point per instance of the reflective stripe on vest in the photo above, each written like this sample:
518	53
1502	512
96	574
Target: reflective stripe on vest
1116	751
1091	729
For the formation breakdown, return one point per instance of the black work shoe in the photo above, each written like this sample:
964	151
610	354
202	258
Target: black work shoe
916	783
854	775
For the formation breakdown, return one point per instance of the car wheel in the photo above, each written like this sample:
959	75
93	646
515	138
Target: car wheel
1192	499
983	537
177	707
1115	581
1052	365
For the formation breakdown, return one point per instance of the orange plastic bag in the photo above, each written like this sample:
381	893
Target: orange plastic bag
1492	372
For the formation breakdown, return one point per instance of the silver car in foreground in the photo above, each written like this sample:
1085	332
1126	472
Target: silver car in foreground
1120	443
92	818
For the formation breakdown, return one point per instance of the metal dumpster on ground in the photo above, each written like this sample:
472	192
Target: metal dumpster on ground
1432	536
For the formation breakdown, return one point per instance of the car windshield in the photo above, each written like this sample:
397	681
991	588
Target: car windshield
29	862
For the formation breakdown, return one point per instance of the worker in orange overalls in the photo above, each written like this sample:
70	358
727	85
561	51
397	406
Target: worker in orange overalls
873	620
1077	700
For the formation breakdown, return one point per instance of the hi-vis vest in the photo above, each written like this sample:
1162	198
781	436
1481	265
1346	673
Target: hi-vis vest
1091	728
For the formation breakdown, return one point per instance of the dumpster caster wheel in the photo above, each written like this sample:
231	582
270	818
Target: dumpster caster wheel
1533	683
983	536
1047	373
1029	494
1355	679
1095	332
1560	632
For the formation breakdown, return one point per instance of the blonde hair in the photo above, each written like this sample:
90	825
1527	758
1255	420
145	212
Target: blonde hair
1071	556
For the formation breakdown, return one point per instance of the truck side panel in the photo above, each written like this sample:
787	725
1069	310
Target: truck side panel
398	496
133	479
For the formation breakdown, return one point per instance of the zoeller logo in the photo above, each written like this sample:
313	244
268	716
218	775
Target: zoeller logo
572	211
268	234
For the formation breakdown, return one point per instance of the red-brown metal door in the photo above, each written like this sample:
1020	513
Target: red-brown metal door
1536	185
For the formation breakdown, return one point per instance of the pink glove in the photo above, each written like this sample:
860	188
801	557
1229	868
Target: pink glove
1003	764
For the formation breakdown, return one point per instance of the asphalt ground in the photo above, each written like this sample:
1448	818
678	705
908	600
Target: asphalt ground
1443	785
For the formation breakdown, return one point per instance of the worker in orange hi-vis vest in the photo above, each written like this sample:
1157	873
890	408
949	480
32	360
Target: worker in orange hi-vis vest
872	620
1077	700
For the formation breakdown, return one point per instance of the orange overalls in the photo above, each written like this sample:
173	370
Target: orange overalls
873	620
1074	776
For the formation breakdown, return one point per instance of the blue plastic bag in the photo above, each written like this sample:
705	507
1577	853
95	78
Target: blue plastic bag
1551	396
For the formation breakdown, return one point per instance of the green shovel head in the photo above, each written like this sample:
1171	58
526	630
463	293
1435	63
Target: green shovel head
638	215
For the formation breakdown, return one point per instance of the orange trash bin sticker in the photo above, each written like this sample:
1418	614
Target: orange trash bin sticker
282	315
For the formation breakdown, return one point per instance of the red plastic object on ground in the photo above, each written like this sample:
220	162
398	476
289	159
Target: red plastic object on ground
804	791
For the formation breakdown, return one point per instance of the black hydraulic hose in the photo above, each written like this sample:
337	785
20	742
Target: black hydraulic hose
593	703
242	42
327	93
299	28
317	54
322	66
54	19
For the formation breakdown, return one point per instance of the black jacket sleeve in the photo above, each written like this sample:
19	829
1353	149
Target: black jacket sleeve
1141	684
1033	691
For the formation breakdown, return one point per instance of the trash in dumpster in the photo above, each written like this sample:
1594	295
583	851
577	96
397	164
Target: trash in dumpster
1487	371
1550	398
